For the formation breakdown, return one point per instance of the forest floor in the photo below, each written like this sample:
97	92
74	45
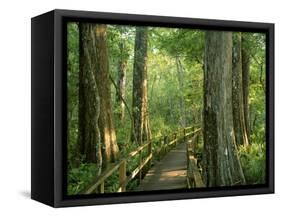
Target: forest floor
169	173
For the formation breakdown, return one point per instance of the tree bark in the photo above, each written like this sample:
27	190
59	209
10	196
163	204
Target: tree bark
180	73
222	166
245	79
101	66
121	82
140	105
237	92
89	100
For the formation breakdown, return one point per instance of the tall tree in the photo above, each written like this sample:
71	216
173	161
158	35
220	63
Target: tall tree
141	126
222	166
180	73
96	128
237	92
121	78
101	71
89	100
245	80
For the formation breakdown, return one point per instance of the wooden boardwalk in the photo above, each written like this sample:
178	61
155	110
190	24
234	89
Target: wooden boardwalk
169	173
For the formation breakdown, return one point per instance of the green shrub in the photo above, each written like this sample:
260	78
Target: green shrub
112	183
80	177
253	162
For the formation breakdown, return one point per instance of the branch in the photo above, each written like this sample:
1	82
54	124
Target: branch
126	105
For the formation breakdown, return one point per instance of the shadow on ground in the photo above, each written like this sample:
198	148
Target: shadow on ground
25	194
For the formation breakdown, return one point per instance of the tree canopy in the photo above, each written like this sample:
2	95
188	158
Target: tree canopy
140	83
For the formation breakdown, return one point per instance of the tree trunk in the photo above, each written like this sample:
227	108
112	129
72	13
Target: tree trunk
222	166
101	66
140	105
237	93
180	72
121	82
89	100
245	80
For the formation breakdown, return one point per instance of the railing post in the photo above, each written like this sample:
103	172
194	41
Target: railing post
184	135
140	161
164	145
122	176
188	171
167	144
197	140
102	188
149	151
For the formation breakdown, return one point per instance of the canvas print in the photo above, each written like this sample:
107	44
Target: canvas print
157	108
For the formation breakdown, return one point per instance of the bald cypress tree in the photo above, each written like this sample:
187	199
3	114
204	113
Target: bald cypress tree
246	60
89	139
97	138
239	120
222	165
141	126
106	124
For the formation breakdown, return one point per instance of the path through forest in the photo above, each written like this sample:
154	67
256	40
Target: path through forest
169	173
163	78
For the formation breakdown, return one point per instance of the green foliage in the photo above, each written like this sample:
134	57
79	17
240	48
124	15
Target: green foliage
180	42
256	44
120	40
79	178
112	183
72	93
166	88
159	126
253	162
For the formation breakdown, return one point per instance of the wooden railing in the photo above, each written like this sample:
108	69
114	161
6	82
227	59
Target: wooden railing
167	143
194	178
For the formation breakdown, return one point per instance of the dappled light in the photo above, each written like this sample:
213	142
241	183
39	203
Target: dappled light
153	108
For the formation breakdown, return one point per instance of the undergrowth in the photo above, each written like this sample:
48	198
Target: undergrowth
253	162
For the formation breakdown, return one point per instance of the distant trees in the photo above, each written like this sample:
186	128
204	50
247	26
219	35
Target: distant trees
141	127
186	47
182	104
193	77
222	165
121	73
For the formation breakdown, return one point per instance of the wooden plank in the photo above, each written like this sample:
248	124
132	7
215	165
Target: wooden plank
140	162
191	170
98	181
195	174
198	179
122	177
172	142
171	133
193	132
102	188
149	150
133	153
187	155
169	173
137	170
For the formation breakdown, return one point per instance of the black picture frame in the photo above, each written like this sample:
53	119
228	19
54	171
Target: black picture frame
48	147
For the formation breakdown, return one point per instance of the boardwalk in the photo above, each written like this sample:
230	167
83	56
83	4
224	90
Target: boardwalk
169	173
